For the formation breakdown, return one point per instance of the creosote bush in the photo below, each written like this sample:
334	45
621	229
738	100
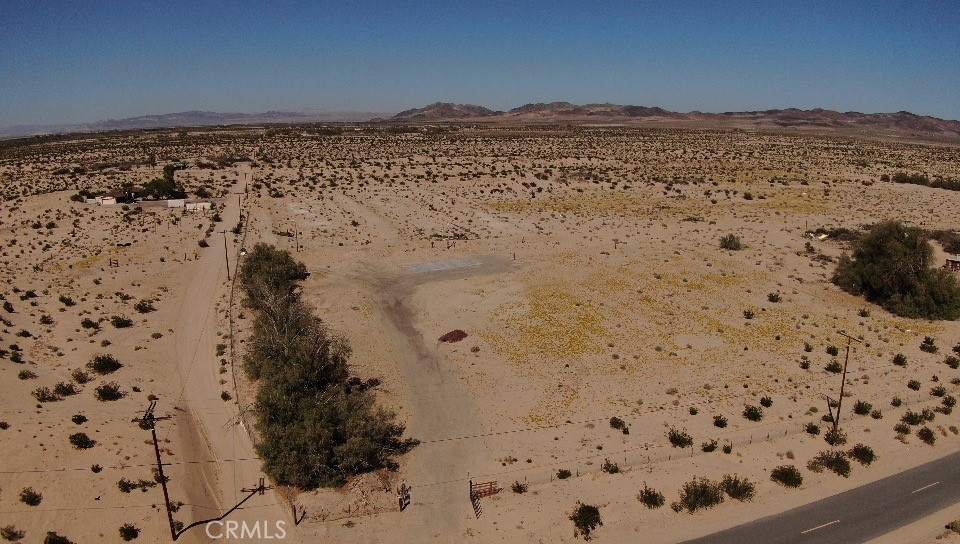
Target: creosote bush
926	435
121	322
10	533
610	467
108	392
585	518
126	486
835	437
863	454
833	460
129	532
900	359
753	413
737	487
104	364
30	497
80	376
929	345
651	498
518	487
719	421
698	494
54	538
679	439
787	475
619	424
44	394
730	242
81	441
912	418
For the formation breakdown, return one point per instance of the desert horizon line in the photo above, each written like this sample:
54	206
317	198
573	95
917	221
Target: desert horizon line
393	112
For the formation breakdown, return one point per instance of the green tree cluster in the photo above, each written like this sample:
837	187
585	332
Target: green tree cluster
166	186
891	266
317	427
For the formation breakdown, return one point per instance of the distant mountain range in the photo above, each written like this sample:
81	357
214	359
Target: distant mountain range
901	125
193	119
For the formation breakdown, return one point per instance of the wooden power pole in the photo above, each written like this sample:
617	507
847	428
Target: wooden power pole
843	382
148	421
226	253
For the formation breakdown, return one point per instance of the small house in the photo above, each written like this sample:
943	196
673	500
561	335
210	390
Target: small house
176	203
106	201
127	195
953	263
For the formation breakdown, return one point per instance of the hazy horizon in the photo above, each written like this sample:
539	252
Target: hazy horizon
79	63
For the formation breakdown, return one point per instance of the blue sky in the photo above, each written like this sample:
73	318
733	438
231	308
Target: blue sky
74	61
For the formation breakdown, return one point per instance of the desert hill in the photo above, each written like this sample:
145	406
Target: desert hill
192	119
900	125
444	111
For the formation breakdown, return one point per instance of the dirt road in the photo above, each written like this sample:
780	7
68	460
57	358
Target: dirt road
439	405
207	425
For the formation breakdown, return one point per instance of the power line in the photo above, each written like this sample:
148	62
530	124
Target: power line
149	421
121	507
138	465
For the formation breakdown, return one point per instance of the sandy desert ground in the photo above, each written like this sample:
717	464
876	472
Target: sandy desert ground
583	264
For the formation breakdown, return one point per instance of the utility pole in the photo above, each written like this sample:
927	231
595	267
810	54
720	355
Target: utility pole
226	253
149	421
843	383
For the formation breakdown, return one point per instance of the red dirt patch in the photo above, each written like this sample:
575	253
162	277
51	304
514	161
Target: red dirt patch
455	335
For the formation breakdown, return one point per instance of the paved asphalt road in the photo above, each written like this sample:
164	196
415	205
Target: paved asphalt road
860	514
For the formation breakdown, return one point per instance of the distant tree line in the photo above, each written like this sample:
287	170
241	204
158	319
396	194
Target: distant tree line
891	266
318	424
937	182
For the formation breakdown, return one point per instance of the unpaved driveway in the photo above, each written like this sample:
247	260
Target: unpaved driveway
206	429
440	407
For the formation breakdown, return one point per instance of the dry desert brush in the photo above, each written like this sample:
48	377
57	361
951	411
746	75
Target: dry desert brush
833	460
787	475
737	487
585	518
651	498
698	494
